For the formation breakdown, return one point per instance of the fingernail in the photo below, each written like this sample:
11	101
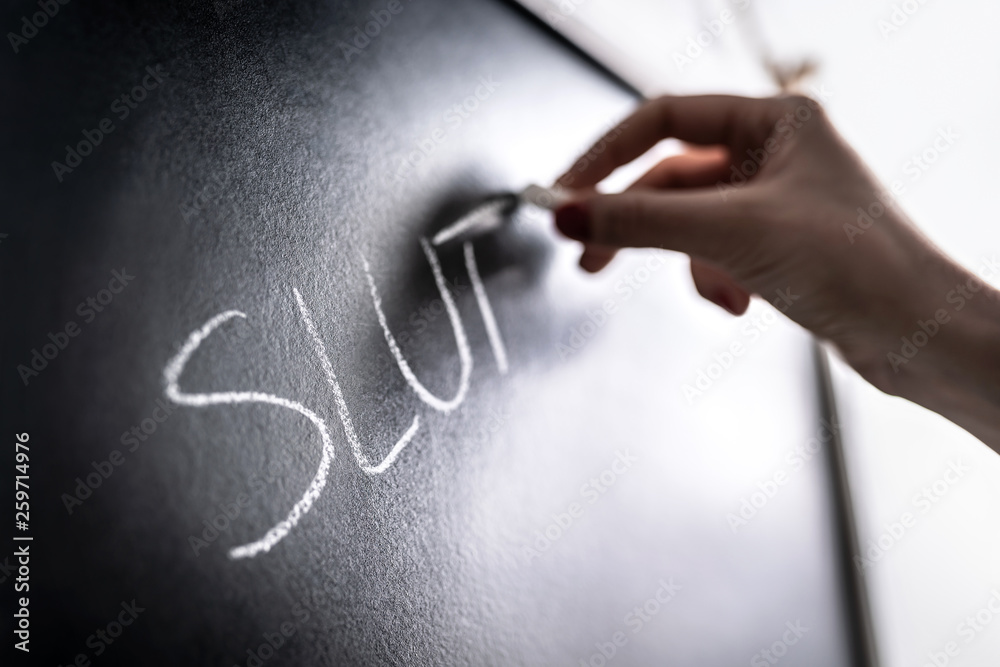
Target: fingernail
573	221
727	302
591	264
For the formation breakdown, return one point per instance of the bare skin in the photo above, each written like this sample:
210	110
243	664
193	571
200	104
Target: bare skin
767	202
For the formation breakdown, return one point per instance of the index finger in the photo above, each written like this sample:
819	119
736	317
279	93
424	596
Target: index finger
701	119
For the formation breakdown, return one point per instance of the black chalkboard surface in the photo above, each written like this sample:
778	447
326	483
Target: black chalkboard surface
214	214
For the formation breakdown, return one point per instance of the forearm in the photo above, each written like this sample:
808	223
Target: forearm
810	220
950	361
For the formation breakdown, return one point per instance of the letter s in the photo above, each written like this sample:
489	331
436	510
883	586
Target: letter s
119	108
622	288
631	620
922	503
958	301
300	613
418	322
750	331
783	128
452	118
912	171
171	375
256	484
87	314
129	439
96	644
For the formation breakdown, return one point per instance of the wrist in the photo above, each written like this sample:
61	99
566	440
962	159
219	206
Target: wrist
949	361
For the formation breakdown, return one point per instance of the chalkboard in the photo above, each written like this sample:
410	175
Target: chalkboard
264	421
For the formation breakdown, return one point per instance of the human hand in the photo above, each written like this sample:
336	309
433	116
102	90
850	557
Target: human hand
775	203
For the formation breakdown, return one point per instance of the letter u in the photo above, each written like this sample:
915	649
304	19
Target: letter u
464	352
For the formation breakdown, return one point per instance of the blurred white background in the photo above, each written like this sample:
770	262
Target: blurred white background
897	74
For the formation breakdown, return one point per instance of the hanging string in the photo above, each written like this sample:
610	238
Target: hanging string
787	76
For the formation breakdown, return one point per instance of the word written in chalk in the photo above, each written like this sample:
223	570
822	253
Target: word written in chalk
175	367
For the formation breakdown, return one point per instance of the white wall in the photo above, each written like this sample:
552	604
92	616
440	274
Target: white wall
893	90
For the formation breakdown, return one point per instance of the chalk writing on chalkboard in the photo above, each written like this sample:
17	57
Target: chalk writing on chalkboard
175	367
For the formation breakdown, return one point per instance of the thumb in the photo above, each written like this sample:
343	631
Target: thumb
701	223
